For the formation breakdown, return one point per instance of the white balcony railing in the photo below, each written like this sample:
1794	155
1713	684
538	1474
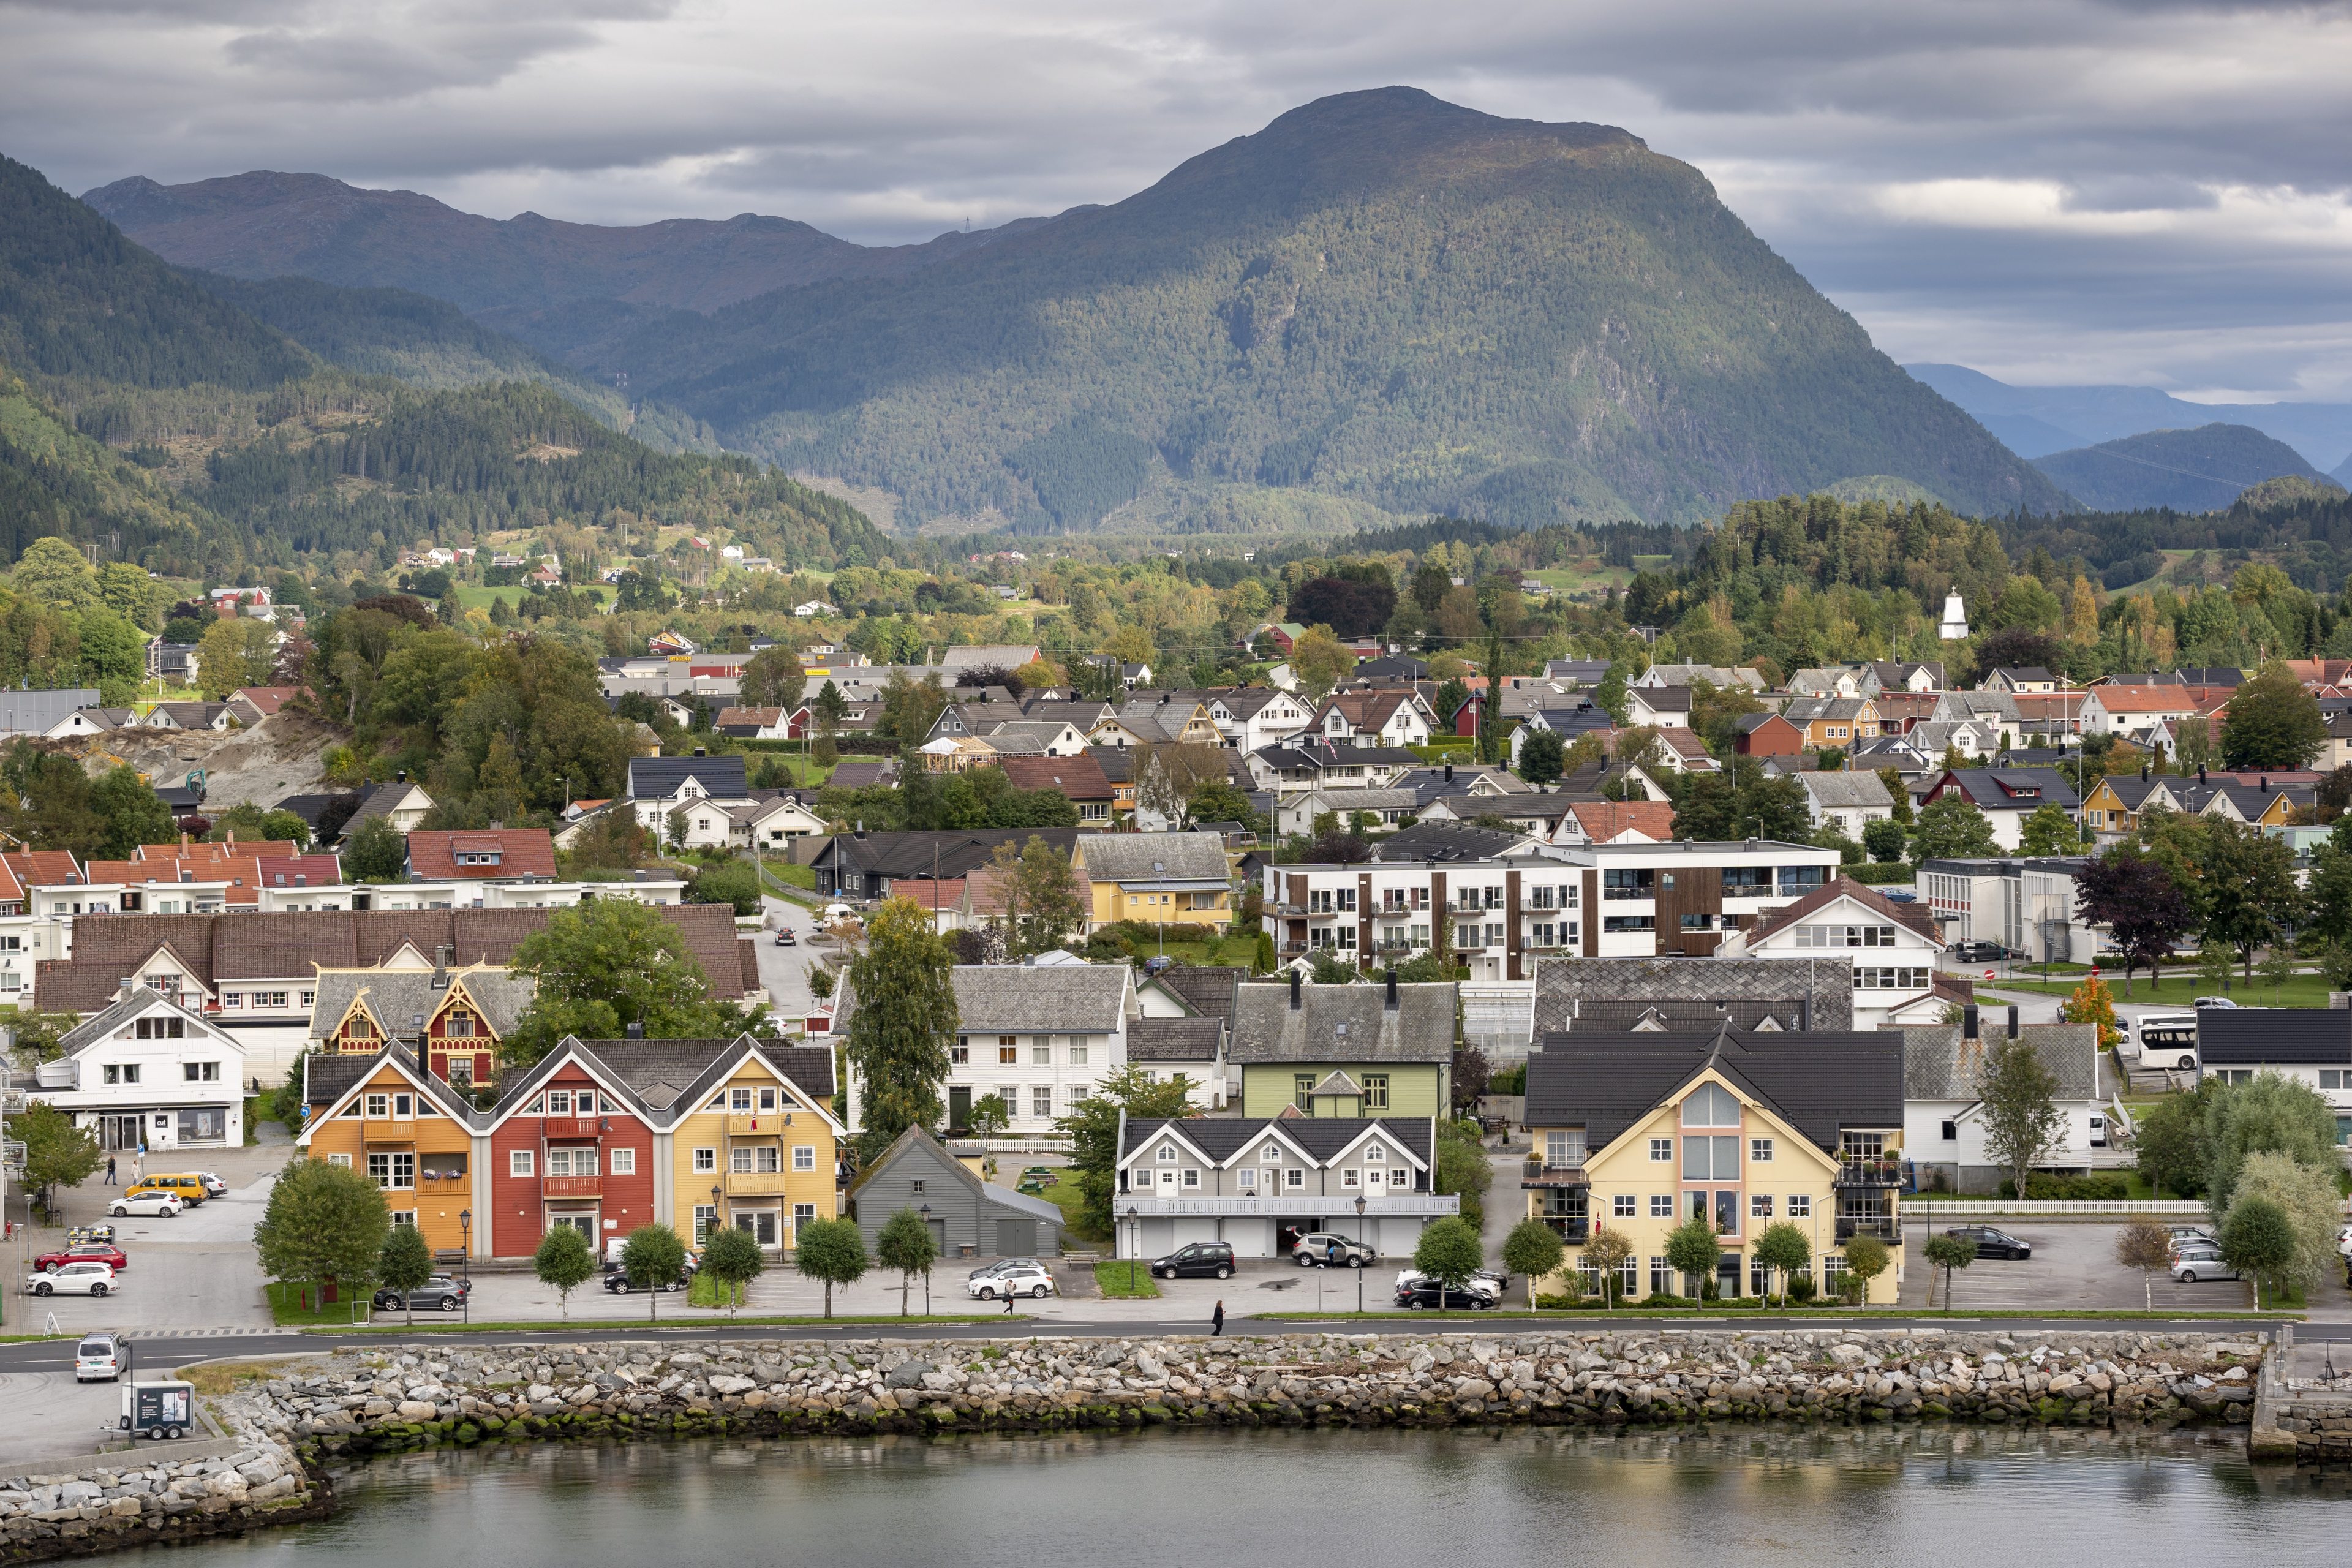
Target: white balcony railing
1152	1206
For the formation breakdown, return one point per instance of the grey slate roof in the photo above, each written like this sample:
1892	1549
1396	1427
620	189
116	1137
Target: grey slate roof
1208	989
2274	1036
1443	841
91	1030
1174	1039
1990	788
1832	791
1818	1082
660	1071
1678	1016
1344	1022
1322	1137
1138	858
1059	998
33	711
1003	1197
398	996
1939	1064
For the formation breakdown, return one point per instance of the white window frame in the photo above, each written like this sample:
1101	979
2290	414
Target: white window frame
519	1163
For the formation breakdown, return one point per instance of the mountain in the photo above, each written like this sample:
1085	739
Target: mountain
1380	305
2039	420
268	225
2203	469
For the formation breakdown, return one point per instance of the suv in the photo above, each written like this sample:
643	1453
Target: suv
1210	1259
98	1357
446	1292
1324	1249
1422	1294
1993	1243
1978	952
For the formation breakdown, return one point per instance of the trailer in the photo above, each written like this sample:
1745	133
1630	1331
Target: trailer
165	1407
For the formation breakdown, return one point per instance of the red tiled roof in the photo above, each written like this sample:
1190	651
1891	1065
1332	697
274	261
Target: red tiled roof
45	867
1603	820
2144	699
267	699
521	852
201	849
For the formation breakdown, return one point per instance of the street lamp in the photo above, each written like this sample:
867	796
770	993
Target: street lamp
1134	1243
465	1240
926	1212
1360	1268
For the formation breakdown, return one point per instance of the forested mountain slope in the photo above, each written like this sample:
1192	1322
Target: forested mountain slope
1381	295
2199	470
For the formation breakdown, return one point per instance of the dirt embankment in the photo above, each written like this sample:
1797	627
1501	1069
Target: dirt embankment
281	756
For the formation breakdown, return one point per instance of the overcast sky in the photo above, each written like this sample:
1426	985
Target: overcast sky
2052	190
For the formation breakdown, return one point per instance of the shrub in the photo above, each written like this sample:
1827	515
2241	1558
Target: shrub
2041	1186
1801	1289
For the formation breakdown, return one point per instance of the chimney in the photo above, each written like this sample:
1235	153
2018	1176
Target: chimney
634	1031
2266	784
184	844
2201	773
400	777
699	751
1393	994
1294	990
2013	1020
2143	773
127	985
232	838
441	969
1968	1023
1449	773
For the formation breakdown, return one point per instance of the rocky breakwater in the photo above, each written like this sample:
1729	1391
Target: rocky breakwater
129	1500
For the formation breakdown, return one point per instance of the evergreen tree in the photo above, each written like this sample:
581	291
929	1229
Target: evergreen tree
905	1016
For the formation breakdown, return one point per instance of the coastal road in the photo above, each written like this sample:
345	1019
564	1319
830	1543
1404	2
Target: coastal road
161	1349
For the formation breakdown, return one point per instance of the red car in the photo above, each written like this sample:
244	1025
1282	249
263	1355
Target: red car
104	1253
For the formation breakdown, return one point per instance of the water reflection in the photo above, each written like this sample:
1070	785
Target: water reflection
1955	1498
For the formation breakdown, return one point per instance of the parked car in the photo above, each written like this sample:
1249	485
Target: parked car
1202	1259
2216	1002
2344	1241
1483	1282
1422	1294
446	1292
88	1277
1002	1266
2191	1264
1978	952
1993	1243
1324	1249
153	1201
2197	1236
617	1278
784	937
105	1252
98	1356
1032	1280
214	1186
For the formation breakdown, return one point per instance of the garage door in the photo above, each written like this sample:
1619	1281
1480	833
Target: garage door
1016	1237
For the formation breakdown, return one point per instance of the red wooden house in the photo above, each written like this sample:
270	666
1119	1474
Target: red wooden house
570	1145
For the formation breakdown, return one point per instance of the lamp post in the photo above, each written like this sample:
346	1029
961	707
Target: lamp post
1134	1243
926	1212
465	1239
1360	1268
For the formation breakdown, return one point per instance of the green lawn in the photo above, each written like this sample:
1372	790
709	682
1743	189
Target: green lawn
1216	950
286	1297
791	876
1572	580
1125	1282
475	596
1065	1196
2181	988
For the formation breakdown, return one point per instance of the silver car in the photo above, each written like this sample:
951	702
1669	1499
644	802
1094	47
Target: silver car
2191	1264
1328	1249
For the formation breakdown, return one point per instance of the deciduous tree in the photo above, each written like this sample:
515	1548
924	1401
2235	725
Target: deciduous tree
1694	1251
832	1250
905	1244
905	1016
374	851
2270	1113
2251	893
2136	899
1866	1258
1948	1253
56	1152
1449	1252
732	1257
1605	1255
1092	1127
323	1223
2049	831
2272	722
1534	1249
403	1263
602	967
1951	828
2022	1124
563	1263
654	1258
2258	1239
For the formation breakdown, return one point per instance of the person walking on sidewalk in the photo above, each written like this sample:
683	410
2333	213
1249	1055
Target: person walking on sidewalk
1008	1303
1217	1321
110	1170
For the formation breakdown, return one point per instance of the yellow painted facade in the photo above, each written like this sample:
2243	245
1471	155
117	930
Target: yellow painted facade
1113	902
1753	1171
768	1149
422	1158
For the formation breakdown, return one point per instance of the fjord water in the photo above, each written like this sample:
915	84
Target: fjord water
1923	1498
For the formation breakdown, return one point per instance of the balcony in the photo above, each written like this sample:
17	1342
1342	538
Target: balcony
1535	1174
1571	1231
570	1127
1293	910
571	1188
1885	1229
758	1184
756	1124
383	1130
444	1185
1291	949
1868	1173
1334	1207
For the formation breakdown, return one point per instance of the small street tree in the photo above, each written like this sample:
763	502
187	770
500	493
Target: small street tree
374	851
733	1258
832	1250
1947	1253
324	1223
1533	1248
2092	1003
2143	1245
1784	1249
2049	831
905	1244
1449	1252
1867	1257
2213	965
2022	1123
2258	1239
1605	1255
563	1263
404	1263
1693	1251
906	1015
56	1152
653	1258
1951	828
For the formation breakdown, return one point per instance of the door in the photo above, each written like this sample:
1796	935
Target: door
585	1224
761	1224
959	1106
1015	1237
939	1237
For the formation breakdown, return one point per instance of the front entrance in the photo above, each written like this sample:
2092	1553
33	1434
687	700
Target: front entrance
582	1220
759	1223
959	1106
119	1132
1726	1276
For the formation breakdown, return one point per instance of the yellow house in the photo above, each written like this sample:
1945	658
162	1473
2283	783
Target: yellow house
1640	1133
750	1142
408	1131
1176	878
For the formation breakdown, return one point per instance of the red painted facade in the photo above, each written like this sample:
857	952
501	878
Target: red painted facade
605	1204
459	1032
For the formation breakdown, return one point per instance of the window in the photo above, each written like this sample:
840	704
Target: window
379	1105
1007	1055
625	1162
1711	1158
916	1185
1801	1206
706	1160
1699	922
738	1162
767	1159
162	1028
1193	1179
340	1162
1041	1100
1759	1205
1374	1154
402	1107
460	1070
1746	881
1797	881
1564	1146
395	1171
309	998
738	1100
1662	1205
1845	936
1398	1177
1951	1131
1294	1178
1376	1091
1662	1149
1246	1180
1042	1055
2330	1078
1661	1277
519	1163
1759	1150
706	1220
767	1099
1077	1056
1710	1105
1622	1206
459	1027
232	998
405	1216
113	1073
201	1072
1889	979
1628	922
1271	1154
803	1156
1628	884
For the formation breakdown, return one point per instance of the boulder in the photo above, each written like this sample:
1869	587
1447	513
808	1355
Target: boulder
416	1410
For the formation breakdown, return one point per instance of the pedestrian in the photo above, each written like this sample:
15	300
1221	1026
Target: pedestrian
110	1170
135	1168
1008	1303
1217	1321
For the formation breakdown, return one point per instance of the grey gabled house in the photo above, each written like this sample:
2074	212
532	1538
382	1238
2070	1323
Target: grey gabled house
968	1218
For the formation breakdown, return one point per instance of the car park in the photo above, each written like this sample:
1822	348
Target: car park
151	1202
105	1252
1993	1243
186	1186
445	1291
2191	1264
83	1278
99	1357
1422	1294
2195	1235
1202	1259
1031	1281
1326	1249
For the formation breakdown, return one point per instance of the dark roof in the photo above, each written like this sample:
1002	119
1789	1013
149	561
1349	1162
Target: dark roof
1207	989
1267	1028
1985	787
1174	1039
1817	1082
1448	840
1323	1137
657	778
2283	1037
1671	1015
899	856
326	1077
311	807
661	1070
859	775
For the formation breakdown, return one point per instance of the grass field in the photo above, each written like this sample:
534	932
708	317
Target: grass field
1065	1196
474	596
1215	950
1124	1282
2182	990
286	1304
1589	577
